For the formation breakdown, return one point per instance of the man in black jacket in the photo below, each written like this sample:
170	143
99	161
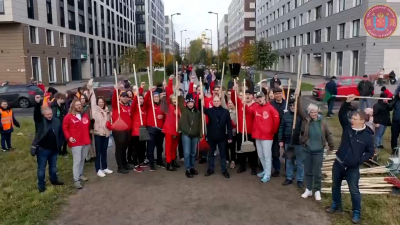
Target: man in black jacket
357	146
365	88
219	129
274	81
59	111
47	142
279	104
395	105
290	138
331	88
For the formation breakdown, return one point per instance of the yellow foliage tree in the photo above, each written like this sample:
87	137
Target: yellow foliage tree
234	58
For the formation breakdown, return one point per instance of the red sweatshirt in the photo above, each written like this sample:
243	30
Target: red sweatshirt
249	116
266	121
149	112
136	116
41	86
77	129
125	111
388	93
170	120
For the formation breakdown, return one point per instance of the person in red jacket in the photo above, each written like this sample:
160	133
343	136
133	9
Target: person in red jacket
251	156
154	126
76	125
265	125
137	148
387	92
169	128
121	137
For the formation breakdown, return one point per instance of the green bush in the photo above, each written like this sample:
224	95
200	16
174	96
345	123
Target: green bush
169	69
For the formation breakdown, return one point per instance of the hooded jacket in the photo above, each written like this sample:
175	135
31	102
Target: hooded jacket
125	110
77	128
382	113
265	121
357	146
248	112
136	116
190	123
170	111
149	111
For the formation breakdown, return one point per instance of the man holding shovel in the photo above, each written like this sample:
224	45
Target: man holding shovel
357	146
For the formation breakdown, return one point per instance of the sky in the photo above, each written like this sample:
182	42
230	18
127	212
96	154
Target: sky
195	18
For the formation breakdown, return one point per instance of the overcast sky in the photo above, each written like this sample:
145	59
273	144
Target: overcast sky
195	18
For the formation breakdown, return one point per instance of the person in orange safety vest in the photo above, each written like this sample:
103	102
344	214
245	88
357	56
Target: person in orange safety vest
7	125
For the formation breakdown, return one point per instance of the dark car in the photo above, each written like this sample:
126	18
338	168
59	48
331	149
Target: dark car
284	84
20	95
101	88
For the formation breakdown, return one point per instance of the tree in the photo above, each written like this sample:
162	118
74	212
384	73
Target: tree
132	56
178	58
265	56
158	59
169	58
195	48
234	58
249	54
224	56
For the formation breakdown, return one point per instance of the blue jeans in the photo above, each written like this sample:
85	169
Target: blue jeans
379	132
362	101
222	151
299	165
6	139
276	163
43	156
331	103
352	176
189	150
101	143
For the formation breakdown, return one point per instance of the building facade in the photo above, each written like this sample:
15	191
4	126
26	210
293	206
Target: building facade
59	41
241	23
207	44
223	32
331	34
150	22
169	36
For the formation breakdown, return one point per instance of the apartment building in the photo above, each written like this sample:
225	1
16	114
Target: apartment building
170	37
64	40
241	23
223	32
150	22
331	34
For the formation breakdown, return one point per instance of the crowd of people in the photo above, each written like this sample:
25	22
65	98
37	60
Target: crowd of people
201	122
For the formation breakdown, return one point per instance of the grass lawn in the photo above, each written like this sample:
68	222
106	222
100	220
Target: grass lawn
376	209
20	201
306	87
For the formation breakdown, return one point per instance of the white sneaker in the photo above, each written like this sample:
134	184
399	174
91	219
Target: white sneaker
317	195
100	173
307	193
107	171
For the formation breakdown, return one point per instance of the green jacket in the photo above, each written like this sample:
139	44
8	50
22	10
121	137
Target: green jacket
190	121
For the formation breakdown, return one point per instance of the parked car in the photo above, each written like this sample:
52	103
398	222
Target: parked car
20	95
346	85
284	83
101	88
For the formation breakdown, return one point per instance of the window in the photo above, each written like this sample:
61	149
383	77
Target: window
52	70
49	37
317	36
62	14
294	41
308	38
301	40
64	70
301	20
329	8
33	35
49	12
36	71
252	24
81	21
356	28
294	22
342	5
63	40
339	63
252	5
309	16
308	60
341	31
355	63
358	2
318	12
328	34
31	12
1	6
71	20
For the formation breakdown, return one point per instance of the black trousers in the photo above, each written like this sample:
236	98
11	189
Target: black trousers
157	140
245	157
136	151
121	139
63	148
231	150
180	147
395	128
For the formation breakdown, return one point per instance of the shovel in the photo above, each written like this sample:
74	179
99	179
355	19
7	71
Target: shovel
143	133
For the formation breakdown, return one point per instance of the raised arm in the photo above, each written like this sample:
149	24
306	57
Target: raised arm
191	91
344	109
93	105
170	90
37	114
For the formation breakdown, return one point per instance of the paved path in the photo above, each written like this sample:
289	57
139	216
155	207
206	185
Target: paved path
170	198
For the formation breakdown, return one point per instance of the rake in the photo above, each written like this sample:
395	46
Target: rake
143	133
119	124
203	144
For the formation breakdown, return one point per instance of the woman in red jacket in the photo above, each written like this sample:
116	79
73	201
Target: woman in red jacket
265	125
169	128
76	130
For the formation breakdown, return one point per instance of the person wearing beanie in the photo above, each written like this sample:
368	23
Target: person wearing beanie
290	138
387	92
190	126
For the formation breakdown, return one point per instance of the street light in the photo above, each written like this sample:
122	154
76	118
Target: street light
185	46
173	41
181	42
211	38
217	35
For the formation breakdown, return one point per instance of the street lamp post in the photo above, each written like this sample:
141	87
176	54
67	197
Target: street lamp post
173	41
211	37
185	46
217	35
181	42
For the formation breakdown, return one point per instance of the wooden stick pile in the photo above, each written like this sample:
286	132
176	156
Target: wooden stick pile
367	185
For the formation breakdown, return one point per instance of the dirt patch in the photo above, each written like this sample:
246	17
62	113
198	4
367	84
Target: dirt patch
170	198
